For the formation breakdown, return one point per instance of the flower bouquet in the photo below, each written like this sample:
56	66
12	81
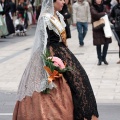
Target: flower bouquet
54	66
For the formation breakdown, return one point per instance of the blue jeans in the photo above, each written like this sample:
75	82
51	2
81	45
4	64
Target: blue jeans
82	28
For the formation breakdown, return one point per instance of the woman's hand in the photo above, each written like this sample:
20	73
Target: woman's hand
74	24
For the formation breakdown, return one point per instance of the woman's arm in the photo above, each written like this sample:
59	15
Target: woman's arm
96	15
112	16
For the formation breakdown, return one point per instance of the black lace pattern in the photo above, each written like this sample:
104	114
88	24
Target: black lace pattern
83	97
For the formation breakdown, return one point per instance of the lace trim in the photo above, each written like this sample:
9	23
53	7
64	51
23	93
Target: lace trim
51	26
34	78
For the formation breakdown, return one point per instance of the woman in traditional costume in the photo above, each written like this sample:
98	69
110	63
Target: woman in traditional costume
70	95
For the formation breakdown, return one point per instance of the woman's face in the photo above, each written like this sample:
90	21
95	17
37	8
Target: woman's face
58	5
98	1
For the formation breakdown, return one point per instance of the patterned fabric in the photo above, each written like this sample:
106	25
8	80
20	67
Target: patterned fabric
76	95
83	97
57	105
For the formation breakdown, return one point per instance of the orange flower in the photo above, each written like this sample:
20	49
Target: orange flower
53	75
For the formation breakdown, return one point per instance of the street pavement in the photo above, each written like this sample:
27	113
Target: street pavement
105	79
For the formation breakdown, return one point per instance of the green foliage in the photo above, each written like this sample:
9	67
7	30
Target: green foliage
46	91
49	63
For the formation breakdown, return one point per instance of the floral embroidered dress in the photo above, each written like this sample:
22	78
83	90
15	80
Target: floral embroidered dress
71	99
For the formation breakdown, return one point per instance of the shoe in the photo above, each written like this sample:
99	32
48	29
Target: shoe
3	36
82	44
105	62
118	62
99	62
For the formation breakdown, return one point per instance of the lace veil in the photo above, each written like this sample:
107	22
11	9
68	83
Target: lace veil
34	77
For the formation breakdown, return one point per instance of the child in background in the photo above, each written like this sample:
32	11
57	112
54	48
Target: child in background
19	26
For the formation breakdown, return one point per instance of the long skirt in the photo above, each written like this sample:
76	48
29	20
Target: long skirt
9	23
3	27
71	100
57	105
82	94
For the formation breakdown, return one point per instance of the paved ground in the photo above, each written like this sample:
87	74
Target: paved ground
105	80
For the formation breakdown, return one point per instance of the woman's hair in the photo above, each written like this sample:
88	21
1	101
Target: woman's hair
54	0
98	7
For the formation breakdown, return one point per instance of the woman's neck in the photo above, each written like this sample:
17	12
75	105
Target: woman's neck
55	13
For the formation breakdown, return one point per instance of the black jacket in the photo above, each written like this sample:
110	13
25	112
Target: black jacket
66	16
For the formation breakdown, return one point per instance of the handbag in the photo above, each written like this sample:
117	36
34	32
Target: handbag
107	28
99	24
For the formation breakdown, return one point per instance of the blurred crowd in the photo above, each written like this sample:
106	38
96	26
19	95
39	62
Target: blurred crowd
16	18
91	11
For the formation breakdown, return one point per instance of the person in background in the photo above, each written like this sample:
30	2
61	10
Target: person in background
38	9
107	4
69	6
98	10
12	7
81	18
25	5
20	9
66	15
29	12
37	5
113	3
3	27
89	1
22	12
8	16
32	3
115	17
